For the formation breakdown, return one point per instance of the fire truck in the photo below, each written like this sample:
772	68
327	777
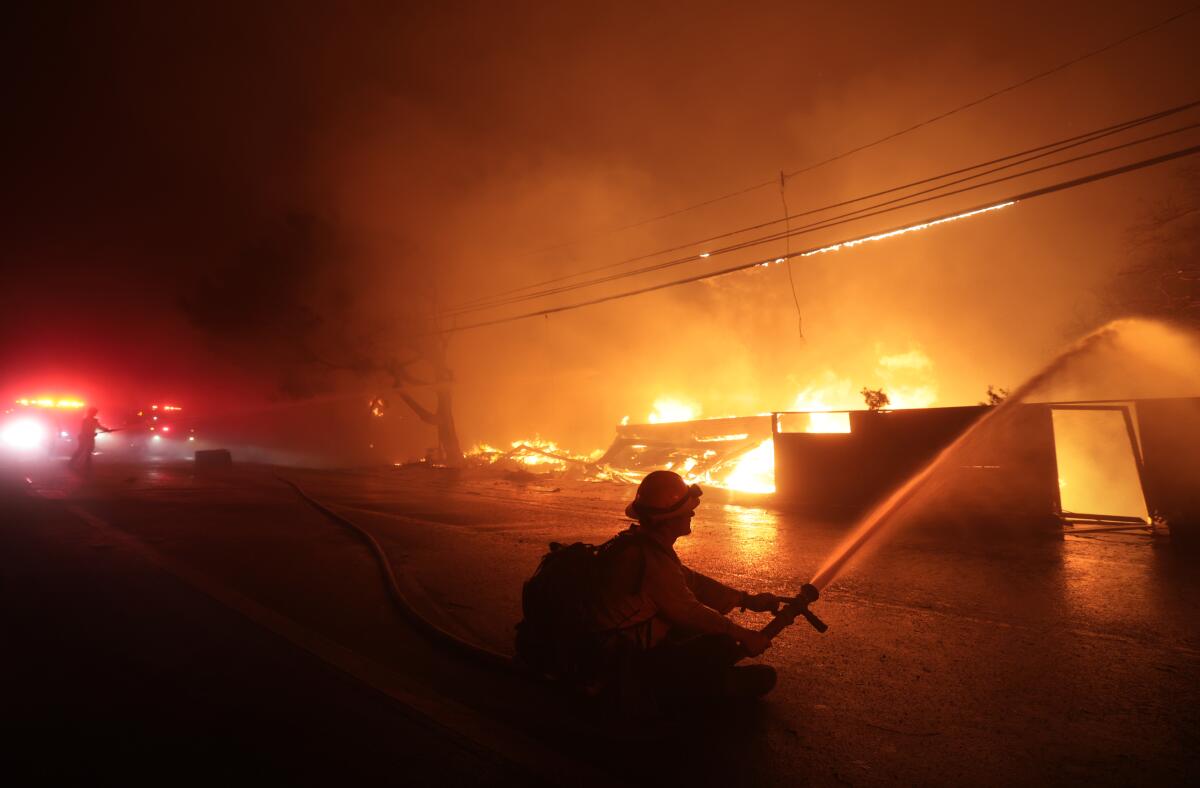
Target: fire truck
46	427
157	431
35	427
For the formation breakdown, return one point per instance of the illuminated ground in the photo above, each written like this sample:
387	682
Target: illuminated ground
946	662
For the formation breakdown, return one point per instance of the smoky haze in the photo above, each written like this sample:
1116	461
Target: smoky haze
249	208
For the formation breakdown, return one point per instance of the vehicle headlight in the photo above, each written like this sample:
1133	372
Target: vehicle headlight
23	434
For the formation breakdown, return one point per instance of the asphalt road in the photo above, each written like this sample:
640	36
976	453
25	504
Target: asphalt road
116	671
952	657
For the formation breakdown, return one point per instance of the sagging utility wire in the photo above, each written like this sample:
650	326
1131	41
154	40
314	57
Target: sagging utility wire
888	137
787	253
876	209
897	204
1015	159
932	221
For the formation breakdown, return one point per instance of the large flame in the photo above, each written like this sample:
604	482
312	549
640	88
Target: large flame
753	472
669	409
827	398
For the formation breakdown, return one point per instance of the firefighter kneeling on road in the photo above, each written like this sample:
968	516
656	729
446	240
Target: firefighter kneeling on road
668	620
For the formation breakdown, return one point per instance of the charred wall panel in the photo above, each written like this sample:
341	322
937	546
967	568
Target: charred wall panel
820	472
842	473
1170	438
896	444
1007	471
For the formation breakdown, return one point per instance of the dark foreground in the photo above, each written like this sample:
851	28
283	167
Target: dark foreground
115	669
167	626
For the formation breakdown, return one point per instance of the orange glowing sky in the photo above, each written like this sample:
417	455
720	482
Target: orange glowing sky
211	206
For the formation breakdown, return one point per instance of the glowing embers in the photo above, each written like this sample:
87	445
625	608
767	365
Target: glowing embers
901	231
734	461
535	453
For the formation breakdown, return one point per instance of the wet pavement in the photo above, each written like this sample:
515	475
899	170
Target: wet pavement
951	657
117	672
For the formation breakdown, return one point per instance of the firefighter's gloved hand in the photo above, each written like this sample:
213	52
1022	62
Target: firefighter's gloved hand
761	603
752	641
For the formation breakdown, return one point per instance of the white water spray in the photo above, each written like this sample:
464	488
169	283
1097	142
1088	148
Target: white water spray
870	527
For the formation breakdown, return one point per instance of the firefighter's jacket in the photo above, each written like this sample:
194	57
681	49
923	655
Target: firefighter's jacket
88	428
646	590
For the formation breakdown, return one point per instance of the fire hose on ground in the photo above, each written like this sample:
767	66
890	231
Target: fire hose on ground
793	607
427	628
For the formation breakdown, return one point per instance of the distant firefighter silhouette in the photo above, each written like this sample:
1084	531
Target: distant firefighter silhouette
82	458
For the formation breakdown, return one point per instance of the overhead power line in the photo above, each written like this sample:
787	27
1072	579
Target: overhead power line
997	93
891	136
896	203
507	296
1011	200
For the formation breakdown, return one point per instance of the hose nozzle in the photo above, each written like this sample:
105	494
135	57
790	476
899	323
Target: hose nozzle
810	594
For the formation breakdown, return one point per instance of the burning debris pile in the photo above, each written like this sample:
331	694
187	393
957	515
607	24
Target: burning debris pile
531	454
733	453
730	452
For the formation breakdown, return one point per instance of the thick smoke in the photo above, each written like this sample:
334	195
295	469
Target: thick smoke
288	196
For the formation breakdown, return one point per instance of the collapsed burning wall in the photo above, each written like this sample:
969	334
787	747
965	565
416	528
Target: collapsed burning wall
1106	436
842	463
726	452
731	452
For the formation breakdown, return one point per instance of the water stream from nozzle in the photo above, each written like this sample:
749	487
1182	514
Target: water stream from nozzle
875	523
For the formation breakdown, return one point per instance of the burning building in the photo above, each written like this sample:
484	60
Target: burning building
1119	464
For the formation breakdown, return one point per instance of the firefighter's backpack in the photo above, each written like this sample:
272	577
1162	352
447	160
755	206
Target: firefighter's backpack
555	638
